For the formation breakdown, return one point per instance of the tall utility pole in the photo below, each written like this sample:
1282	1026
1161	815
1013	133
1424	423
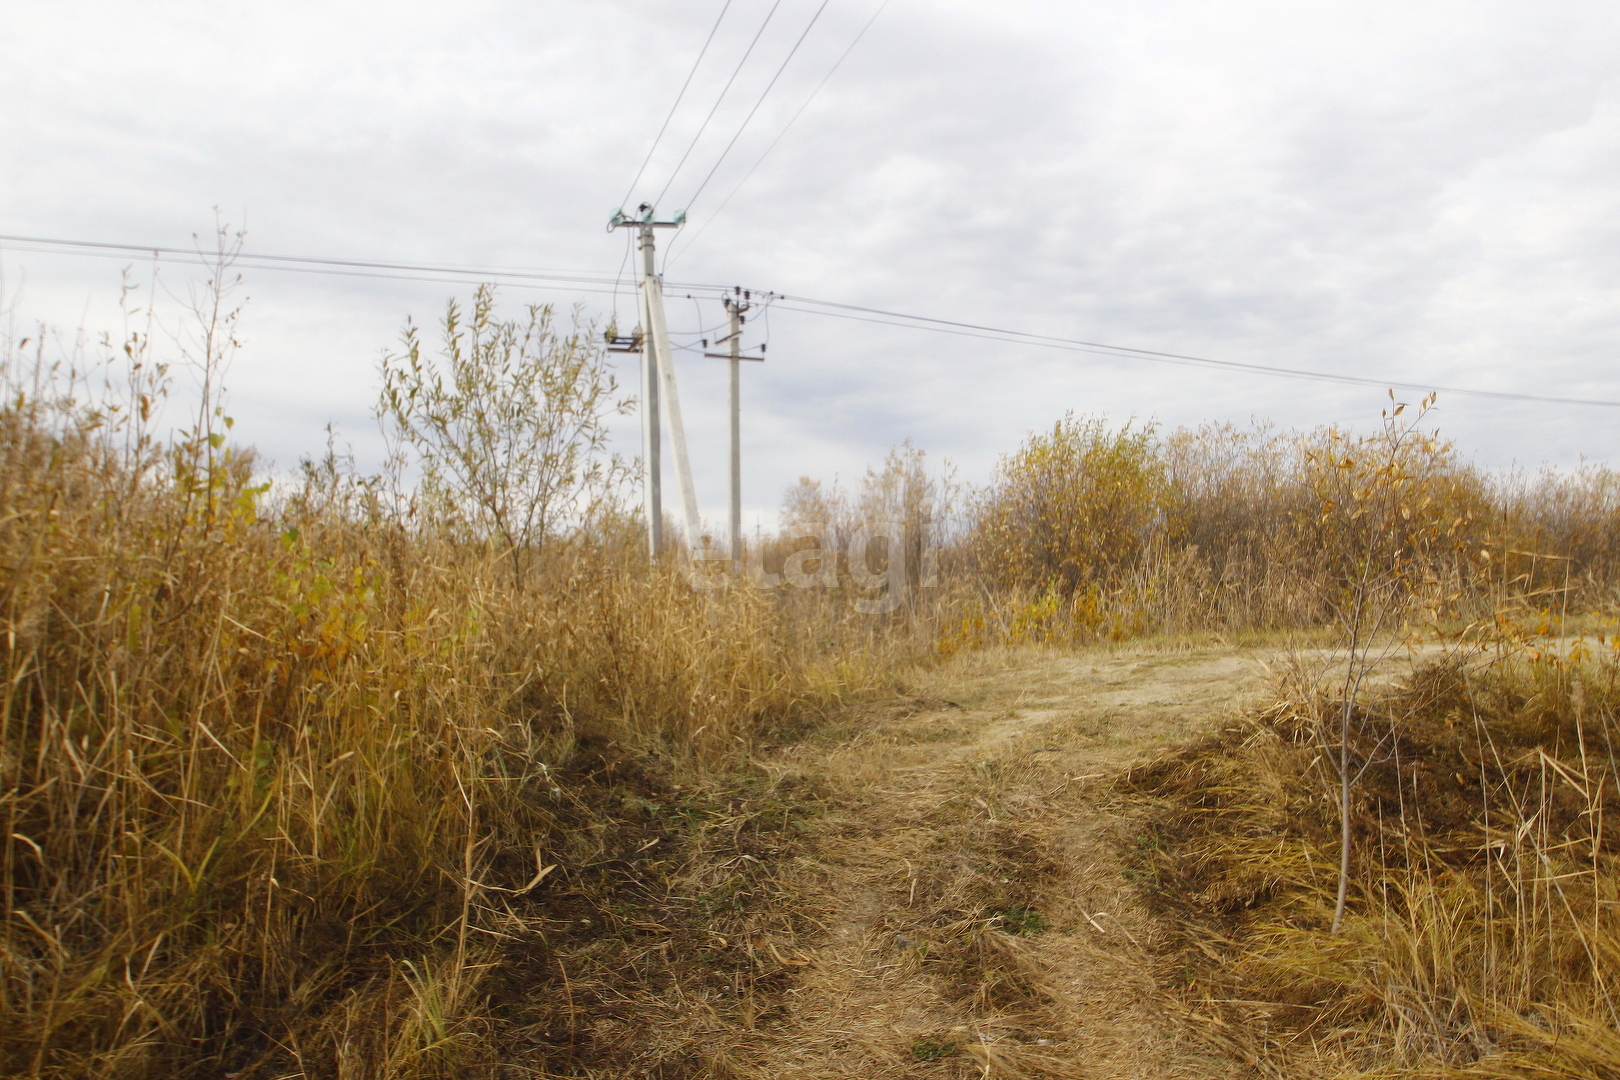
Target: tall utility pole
658	386
737	308
734	324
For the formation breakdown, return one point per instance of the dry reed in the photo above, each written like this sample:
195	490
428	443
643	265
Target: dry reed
294	781
283	777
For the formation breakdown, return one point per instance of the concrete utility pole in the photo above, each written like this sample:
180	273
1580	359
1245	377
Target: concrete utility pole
658	386
737	308
734	326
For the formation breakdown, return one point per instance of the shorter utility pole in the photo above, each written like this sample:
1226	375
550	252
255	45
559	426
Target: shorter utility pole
737	307
734	326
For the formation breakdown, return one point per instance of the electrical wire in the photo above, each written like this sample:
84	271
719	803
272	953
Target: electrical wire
620	275
665	127
715	108
763	95
707	330
602	284
668	261
991	333
744	125
553	281
90	247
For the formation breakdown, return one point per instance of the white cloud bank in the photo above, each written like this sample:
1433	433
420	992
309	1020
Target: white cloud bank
1423	193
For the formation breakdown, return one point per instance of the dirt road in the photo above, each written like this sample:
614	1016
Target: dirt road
934	886
973	916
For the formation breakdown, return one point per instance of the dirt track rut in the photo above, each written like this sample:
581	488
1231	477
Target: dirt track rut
972	910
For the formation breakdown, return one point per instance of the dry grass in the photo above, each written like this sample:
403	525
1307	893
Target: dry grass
308	782
285	779
1239	530
1483	927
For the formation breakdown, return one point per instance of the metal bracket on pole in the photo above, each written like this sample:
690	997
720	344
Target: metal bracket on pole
738	356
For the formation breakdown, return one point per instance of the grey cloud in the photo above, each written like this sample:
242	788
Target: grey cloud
1406	192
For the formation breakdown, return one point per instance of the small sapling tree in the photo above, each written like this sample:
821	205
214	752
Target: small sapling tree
1387	511
508	422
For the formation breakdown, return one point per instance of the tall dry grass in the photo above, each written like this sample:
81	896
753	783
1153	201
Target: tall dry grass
283	774
1091	532
294	777
1484	916
1572	514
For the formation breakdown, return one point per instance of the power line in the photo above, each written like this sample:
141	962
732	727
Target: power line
576	281
763	95
992	333
603	283
617	278
665	127
91	246
715	108
761	160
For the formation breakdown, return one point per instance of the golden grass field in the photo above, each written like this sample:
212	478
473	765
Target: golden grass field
332	777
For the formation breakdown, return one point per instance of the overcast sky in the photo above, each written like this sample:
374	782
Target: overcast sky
1422	192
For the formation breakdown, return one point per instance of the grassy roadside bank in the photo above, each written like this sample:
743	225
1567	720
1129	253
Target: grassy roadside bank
284	777
1482	927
